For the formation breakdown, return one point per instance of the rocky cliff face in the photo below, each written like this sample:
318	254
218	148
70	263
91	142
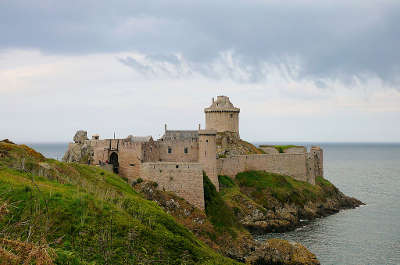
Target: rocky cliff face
241	247
265	202
80	150
229	144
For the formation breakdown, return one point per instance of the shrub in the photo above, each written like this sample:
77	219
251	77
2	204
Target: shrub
225	182
219	213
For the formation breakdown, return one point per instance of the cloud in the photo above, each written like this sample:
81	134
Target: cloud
320	39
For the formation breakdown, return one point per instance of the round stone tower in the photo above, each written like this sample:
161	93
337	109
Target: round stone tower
222	116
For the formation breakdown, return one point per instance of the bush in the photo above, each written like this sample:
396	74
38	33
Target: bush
139	180
219	213
225	182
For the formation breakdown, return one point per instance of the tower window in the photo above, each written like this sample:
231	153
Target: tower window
206	141
169	150
185	150
231	115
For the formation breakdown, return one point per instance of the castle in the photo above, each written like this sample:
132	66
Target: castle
177	160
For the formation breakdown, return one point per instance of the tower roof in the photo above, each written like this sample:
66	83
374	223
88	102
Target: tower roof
222	104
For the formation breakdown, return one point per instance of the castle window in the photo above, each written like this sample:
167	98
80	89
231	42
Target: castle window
169	150
177	166
231	115
185	150
206	141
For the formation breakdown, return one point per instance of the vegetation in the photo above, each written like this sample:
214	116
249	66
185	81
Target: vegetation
218	212
259	184
80	214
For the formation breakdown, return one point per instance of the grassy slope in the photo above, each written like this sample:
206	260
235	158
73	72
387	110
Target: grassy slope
259	193
88	215
285	189
218	212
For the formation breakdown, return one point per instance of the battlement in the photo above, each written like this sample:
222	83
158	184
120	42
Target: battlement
222	116
222	104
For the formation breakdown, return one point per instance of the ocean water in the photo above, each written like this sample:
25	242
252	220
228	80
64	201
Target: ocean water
367	235
50	150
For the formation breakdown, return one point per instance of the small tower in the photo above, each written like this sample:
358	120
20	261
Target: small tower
222	116
208	154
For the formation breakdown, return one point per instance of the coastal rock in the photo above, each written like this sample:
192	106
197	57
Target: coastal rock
263	211
278	251
80	137
80	150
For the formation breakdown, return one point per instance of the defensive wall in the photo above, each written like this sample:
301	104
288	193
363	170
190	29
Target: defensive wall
285	164
301	166
185	179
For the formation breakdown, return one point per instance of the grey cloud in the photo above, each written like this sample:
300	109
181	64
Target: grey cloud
331	39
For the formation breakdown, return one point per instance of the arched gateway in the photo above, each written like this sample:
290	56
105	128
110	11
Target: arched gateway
114	162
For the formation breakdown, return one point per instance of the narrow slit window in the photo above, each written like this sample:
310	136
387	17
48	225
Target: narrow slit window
169	150
185	150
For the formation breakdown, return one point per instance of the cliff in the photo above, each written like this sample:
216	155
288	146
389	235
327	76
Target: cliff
58	213
220	229
266	202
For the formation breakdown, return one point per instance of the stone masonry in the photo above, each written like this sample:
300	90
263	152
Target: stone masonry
177	160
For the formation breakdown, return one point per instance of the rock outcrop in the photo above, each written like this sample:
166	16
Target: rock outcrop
281	207
229	144
79	150
242	247
80	137
278	251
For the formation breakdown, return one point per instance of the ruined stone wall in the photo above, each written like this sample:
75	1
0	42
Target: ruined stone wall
178	150
222	121
318	156
293	165
185	179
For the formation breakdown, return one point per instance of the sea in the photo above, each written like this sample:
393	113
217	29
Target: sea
369	234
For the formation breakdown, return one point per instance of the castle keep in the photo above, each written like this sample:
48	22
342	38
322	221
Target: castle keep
177	160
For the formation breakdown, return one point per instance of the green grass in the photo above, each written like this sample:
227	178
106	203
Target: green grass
259	184
218	212
90	216
225	182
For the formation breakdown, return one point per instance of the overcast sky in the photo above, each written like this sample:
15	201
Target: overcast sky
300	70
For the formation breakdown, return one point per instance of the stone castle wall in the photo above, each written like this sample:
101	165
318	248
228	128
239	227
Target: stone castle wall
185	179
178	151
290	164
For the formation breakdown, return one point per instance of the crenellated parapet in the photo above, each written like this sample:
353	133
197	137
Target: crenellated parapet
222	116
